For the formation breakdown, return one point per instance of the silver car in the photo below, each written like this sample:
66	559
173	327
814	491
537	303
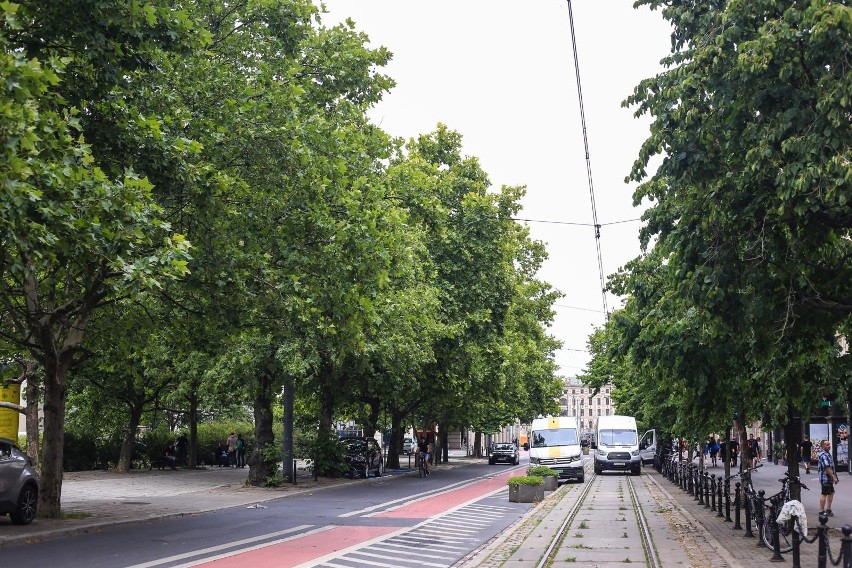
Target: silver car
18	484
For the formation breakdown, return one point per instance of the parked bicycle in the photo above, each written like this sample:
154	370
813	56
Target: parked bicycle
785	529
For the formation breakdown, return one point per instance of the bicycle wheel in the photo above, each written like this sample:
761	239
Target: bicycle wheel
785	534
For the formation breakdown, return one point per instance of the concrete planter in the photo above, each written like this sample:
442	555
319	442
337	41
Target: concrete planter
551	483
526	493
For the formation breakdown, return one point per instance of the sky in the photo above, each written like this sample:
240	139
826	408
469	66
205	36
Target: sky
502	74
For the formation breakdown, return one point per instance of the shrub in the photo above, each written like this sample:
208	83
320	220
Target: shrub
542	471
526	480
327	454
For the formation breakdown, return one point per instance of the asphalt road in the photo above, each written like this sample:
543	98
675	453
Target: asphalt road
454	511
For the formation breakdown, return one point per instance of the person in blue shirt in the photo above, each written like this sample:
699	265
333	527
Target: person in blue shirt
827	478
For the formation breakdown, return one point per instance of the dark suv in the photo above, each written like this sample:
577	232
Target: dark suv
363	455
503	452
18	484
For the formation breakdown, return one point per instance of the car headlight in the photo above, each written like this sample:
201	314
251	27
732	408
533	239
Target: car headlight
634	453
573	458
533	460
602	452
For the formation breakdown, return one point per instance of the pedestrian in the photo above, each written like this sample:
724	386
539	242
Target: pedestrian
827	478
714	450
733	448
232	450
169	456
221	454
240	447
181	445
806	446
753	450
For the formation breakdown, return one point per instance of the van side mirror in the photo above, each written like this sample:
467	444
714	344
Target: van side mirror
526	446
594	446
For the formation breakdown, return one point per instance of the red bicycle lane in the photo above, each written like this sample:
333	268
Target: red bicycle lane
333	540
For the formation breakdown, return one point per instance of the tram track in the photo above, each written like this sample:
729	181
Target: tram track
606	522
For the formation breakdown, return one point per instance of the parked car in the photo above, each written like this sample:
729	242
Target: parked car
18	484
504	452
409	446
363	455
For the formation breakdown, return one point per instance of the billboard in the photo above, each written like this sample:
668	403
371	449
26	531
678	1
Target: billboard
9	418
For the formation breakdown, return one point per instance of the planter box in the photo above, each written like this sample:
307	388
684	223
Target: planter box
526	493
551	483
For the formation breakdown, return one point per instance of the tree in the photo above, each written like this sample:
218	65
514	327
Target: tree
74	236
749	279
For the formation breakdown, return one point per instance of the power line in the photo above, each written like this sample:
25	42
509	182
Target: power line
588	159
576	224
578	308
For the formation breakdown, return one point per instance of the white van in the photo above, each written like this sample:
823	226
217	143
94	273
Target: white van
555	442
617	444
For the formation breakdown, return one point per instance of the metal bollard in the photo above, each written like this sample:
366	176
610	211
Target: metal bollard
727	500
713	492
776	545
759	517
707	490
822	541
797	563
749	509
699	486
846	546
737	504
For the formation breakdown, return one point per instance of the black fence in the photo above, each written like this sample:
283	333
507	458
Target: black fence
734	500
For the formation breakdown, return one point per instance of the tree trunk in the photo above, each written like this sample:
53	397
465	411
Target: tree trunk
477	444
395	448
445	446
372	424
54	438
33	395
261	467
192	456
792	437
327	399
125	459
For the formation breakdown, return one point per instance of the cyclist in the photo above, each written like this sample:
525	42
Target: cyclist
423	448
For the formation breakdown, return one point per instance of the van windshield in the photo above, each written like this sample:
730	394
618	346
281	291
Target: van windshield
560	437
617	437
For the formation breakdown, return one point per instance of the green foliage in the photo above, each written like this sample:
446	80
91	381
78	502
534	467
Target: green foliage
541	471
525	480
211	433
740	299
327	454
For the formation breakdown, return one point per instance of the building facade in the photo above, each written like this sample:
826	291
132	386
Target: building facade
578	401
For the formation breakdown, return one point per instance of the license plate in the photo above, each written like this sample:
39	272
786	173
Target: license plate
619	463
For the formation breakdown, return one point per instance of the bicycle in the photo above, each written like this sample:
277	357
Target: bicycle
752	505
785	529
422	465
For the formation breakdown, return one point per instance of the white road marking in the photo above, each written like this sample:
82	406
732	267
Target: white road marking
225	546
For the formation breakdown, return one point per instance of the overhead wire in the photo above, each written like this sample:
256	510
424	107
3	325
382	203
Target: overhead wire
596	225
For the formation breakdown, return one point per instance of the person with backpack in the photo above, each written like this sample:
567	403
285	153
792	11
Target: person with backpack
240	447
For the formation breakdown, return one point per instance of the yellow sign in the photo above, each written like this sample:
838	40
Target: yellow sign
9	418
